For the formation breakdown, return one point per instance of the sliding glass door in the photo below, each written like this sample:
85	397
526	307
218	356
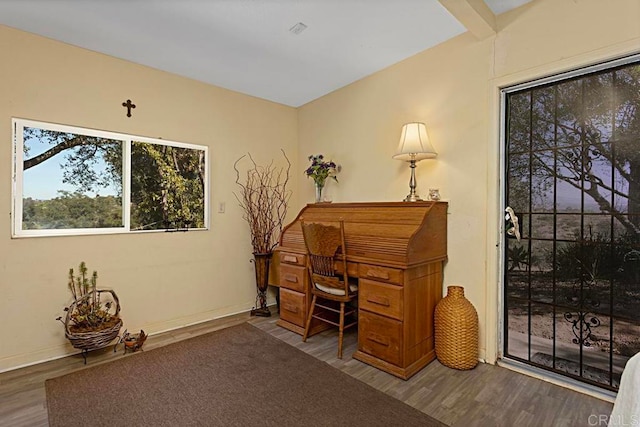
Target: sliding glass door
572	168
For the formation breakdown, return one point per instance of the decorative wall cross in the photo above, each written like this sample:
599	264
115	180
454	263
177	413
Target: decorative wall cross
129	106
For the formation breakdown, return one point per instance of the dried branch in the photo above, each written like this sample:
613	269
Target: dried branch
263	198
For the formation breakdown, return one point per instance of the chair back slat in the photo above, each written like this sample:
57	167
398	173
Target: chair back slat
322	265
323	242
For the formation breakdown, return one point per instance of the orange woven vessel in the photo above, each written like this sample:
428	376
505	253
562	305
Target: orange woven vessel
456	324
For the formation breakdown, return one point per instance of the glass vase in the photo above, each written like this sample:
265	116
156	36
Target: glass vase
319	188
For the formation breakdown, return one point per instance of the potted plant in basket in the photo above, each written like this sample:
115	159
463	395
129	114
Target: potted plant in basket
92	319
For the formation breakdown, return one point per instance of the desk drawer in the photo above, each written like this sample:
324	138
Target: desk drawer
380	337
376	272
380	298
291	258
293	307
293	277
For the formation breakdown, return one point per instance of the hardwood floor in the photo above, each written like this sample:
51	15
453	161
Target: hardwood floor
485	396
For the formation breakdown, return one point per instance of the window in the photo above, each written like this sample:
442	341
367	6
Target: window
69	180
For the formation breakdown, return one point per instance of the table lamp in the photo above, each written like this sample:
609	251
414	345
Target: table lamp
414	146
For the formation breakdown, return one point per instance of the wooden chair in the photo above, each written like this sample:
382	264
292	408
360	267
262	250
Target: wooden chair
332	292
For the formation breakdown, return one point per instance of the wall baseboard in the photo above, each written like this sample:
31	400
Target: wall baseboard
44	355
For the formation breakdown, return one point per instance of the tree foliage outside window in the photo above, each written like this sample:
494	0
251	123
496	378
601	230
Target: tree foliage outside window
70	180
584	134
167	186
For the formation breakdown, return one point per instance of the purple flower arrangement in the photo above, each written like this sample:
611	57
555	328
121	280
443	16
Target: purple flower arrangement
320	170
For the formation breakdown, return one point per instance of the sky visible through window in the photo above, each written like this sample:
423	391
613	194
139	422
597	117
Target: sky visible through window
44	180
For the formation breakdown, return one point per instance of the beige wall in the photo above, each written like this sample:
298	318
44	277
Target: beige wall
454	89
170	280
164	280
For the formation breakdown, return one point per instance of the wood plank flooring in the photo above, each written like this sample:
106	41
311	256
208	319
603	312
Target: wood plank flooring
485	396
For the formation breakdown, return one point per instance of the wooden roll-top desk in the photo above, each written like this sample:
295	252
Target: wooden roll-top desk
397	251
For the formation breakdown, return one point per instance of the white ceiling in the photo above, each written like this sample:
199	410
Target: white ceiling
246	45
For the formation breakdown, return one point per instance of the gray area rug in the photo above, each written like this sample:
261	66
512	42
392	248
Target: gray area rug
239	376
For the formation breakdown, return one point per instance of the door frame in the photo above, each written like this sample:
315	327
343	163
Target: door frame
496	159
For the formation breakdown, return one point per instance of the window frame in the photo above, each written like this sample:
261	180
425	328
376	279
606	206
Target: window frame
17	188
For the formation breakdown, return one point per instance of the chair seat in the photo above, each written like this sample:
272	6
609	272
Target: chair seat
335	291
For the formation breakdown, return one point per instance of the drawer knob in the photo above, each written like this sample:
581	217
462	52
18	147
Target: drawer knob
291	278
378	274
378	339
290	258
378	300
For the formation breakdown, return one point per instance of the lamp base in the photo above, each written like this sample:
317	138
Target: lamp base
412	198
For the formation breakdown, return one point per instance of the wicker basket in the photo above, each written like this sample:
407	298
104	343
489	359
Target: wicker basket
456	335
93	340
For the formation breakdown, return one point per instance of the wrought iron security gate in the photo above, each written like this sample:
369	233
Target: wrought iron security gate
572	168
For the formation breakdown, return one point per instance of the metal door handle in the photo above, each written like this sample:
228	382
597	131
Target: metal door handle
513	226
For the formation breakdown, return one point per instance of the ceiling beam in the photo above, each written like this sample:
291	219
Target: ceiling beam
475	15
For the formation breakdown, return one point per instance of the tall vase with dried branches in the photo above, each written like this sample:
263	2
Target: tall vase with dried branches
263	197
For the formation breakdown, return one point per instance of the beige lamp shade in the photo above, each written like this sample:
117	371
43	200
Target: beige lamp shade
414	143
